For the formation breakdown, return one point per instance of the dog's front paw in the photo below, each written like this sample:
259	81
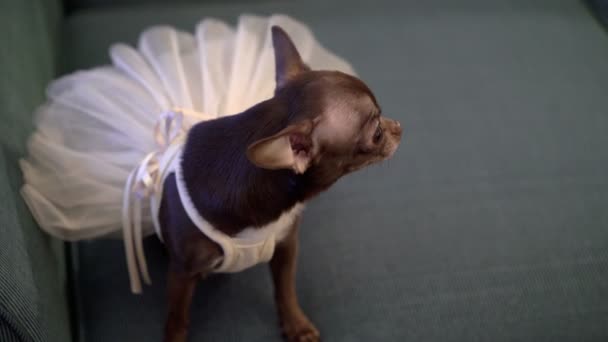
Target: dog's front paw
298	328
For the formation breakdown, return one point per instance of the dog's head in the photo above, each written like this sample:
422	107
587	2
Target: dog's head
335	126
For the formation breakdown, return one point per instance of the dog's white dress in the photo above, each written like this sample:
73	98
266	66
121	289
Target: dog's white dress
94	160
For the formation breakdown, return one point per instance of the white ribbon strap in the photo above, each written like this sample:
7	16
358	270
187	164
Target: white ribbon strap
142	184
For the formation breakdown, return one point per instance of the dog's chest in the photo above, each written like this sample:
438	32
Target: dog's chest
279	228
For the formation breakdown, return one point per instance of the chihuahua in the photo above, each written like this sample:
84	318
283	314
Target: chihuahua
250	171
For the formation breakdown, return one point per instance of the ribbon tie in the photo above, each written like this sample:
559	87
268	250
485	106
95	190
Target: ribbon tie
142	183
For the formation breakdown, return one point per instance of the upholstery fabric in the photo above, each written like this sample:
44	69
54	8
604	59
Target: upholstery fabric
33	299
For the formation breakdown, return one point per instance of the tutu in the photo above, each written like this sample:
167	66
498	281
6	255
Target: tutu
98	125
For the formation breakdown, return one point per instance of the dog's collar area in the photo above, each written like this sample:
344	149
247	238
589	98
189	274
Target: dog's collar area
240	252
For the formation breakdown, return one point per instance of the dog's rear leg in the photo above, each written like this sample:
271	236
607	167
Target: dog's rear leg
180	288
195	262
296	326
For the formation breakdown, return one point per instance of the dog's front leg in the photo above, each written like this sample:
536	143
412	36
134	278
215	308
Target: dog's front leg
296	326
180	287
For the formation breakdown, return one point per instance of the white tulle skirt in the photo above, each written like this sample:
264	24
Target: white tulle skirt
98	125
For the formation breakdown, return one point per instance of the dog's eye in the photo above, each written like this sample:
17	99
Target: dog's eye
377	134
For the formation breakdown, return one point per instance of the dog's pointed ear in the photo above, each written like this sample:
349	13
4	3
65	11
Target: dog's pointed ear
288	63
291	148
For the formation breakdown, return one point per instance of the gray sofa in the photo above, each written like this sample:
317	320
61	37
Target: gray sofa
490	224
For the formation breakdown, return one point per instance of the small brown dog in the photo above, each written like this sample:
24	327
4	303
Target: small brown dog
256	169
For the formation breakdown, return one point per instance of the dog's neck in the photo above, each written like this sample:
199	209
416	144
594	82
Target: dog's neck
226	188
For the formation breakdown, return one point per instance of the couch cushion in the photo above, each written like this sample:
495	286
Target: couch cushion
488	225
33	299
74	5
